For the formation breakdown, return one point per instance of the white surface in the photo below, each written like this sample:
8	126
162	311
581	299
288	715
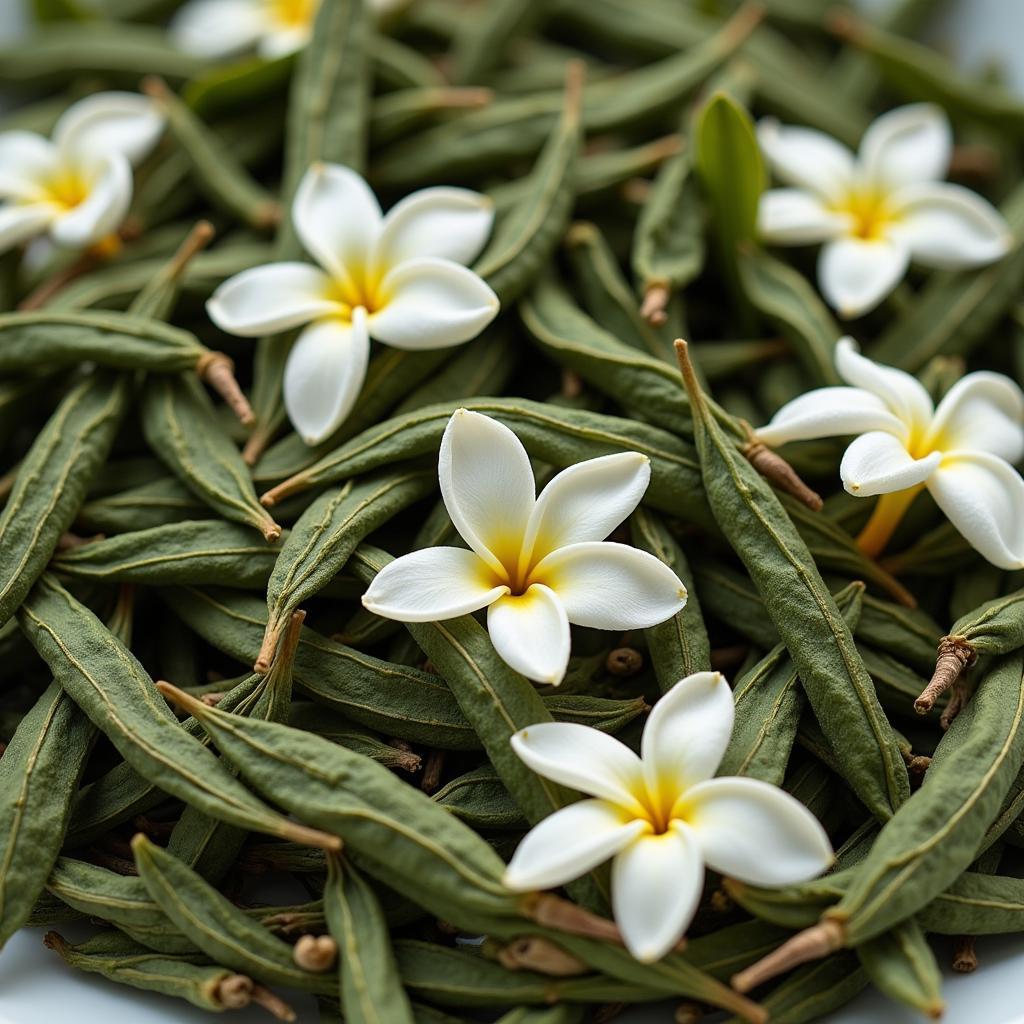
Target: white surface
36	987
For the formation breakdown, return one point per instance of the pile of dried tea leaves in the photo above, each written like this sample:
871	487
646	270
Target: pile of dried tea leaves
195	700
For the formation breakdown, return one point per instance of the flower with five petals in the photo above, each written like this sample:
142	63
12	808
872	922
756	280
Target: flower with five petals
662	816
76	187
400	279
535	563
962	450
878	210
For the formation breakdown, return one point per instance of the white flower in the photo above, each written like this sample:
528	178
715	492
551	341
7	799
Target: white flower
76	187
536	563
877	210
216	28
961	451
662	816
274	28
400	279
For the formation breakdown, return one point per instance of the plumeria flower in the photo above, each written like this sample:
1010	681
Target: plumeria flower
962	451
662	816
878	210
536	563
401	279
76	187
274	28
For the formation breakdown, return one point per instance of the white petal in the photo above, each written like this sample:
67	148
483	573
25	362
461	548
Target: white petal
110	122
216	28
531	633
806	158
585	502
611	586
448	223
902	392
949	226
102	210
338	219
282	42
793	216
275	297
686	734
27	160
585	759
756	832
432	303
324	374
19	222
432	585
983	497
908	144
569	843
487	485
829	412
855	274
657	882
984	412
878	463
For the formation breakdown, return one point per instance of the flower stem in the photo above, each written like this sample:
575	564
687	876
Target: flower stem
887	515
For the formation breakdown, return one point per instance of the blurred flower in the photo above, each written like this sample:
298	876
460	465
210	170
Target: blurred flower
400	279
77	187
878	210
273	28
662	816
961	451
536	563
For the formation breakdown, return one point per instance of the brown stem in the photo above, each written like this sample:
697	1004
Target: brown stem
654	303
431	781
534	953
811	944
234	992
917	767
316	953
271	638
959	696
278	1007
624	662
965	957
954	655
195	242
777	471
111	861
552	911
293	485
218	371
256	446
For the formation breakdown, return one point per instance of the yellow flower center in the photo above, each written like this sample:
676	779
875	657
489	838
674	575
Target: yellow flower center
67	188
360	288
870	211
294	13
663	804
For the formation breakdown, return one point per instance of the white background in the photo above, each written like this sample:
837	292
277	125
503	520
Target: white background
37	988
